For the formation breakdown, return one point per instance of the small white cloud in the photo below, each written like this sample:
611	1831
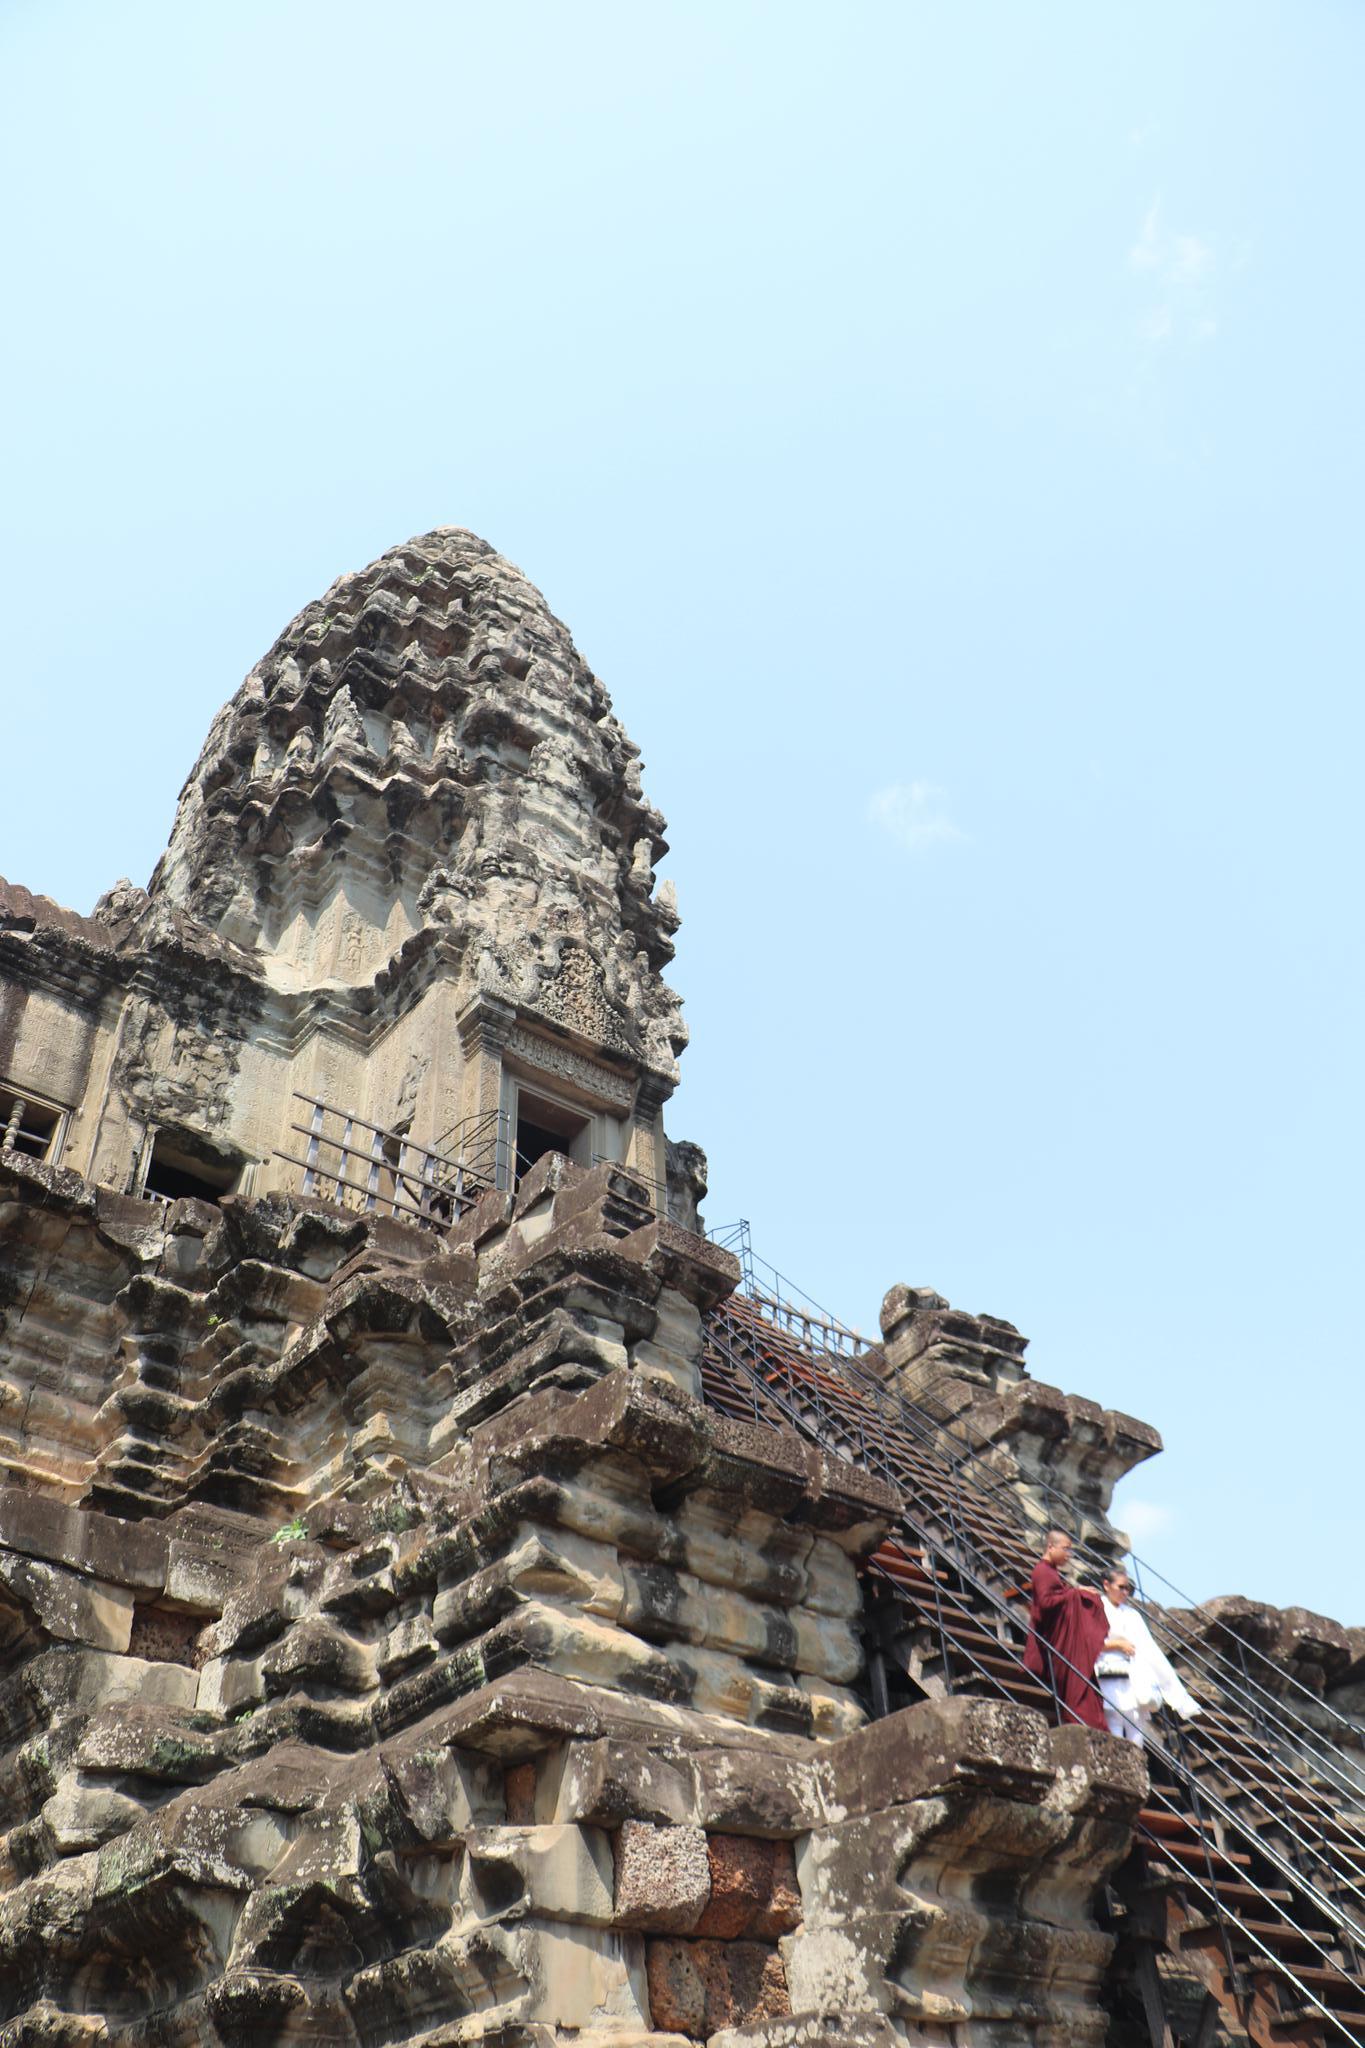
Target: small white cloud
914	813
1144	1519
1180	269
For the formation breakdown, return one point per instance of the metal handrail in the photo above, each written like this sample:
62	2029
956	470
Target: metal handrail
1165	1803
927	1536
392	1172
1262	1704
1343	1879
736	1236
395	1175
470	1127
1258	1700
978	1579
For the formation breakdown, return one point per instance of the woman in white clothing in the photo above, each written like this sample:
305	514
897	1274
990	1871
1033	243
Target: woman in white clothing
1135	1677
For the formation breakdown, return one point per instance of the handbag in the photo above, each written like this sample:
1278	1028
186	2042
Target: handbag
1111	1664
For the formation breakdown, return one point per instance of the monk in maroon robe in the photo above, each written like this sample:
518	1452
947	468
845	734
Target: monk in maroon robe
1067	1630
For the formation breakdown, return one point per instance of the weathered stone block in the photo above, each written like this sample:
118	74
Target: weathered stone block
773	1791
122	1553
782	1912
148	1744
576	1977
699	1987
316	1653
673	1352
677	1990
835	1710
846	1968
443	1791
80	1814
831	1583
198	1579
408	1644
753	1889
69	1606
66	1679
1097	1773
924	1748
854	1867
562	1873
608	1782
663	1877
228	1684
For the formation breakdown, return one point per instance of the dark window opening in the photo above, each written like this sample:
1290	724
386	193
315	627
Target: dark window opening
27	1126
544	1126
182	1164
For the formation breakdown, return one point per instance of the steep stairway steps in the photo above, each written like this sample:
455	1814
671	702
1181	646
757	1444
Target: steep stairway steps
956	1571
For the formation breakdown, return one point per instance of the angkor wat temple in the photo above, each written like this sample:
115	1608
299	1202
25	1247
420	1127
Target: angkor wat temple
447	1596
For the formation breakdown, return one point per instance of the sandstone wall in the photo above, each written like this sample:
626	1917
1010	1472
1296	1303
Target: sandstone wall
396	1650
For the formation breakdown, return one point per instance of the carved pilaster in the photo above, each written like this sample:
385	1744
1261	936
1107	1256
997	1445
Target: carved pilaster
646	1142
484	1025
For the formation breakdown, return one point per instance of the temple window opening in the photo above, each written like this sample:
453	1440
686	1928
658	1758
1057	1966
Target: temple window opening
181	1164
30	1125
544	1125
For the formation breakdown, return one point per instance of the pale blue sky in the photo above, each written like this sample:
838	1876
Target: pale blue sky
941	428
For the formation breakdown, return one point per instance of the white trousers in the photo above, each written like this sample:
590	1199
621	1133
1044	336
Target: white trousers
1126	1719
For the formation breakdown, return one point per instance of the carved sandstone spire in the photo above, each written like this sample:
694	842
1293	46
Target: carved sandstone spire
423	752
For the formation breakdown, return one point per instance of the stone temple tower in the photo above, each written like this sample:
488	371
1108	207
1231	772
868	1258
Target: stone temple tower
406	930
445	1597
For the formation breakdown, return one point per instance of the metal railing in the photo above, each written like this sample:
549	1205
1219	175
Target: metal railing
880	1449
366	1166
884	1433
787	1304
973	1448
1274	1719
372	1167
977	1569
